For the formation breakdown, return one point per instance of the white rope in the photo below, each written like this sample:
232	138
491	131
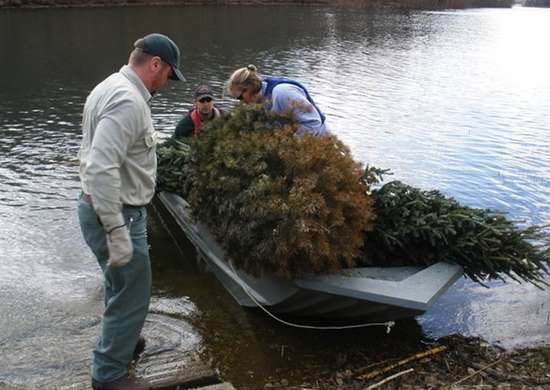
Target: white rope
387	324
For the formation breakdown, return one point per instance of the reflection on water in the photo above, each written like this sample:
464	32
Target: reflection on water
451	100
509	314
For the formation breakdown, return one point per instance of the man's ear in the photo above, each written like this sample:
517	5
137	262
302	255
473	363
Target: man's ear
156	63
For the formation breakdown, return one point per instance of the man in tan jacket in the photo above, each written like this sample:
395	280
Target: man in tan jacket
118	172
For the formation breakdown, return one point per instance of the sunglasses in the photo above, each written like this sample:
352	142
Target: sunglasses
205	100
240	97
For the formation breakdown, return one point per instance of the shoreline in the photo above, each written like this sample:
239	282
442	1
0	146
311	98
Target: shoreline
377	4
451	362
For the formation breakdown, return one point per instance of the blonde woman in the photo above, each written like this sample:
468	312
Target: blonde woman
279	95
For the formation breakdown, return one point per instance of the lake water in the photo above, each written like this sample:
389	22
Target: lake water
457	100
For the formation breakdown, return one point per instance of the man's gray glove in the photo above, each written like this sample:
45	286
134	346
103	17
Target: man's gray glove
119	242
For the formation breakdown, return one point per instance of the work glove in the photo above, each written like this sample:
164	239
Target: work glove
119	242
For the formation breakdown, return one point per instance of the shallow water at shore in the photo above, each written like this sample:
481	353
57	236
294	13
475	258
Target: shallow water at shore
451	100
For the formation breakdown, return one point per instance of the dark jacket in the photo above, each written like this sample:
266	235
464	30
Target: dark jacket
187	126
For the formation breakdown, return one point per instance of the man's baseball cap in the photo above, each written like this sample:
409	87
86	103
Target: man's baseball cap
203	91
160	45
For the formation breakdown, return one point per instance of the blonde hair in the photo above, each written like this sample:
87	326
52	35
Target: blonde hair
245	78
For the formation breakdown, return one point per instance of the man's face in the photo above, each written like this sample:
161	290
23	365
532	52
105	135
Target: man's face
204	105
161	73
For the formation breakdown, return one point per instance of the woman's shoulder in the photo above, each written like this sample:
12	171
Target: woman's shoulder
287	90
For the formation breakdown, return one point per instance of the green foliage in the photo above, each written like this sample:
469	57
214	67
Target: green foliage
415	227
373	175
278	203
173	165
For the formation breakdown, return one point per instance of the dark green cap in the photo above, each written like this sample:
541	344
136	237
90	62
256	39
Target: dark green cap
160	45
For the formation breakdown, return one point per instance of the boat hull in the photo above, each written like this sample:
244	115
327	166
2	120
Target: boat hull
373	293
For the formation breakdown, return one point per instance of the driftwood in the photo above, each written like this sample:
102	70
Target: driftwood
511	378
417	356
362	370
392	377
475	373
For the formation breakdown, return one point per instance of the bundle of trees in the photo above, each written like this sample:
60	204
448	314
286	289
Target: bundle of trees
291	205
277	203
415	227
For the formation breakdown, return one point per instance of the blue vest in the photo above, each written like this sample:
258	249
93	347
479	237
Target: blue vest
272	82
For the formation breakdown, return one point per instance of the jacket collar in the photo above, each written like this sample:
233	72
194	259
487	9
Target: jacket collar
132	76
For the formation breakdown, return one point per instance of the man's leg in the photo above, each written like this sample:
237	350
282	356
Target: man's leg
127	293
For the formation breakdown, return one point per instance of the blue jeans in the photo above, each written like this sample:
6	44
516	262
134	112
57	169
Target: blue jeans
127	292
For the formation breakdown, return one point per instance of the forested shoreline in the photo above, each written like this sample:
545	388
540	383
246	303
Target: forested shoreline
406	4
537	3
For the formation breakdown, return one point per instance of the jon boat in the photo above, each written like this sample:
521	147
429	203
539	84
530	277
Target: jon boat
372	293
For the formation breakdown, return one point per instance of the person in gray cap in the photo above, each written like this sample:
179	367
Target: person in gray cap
117	173
203	110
